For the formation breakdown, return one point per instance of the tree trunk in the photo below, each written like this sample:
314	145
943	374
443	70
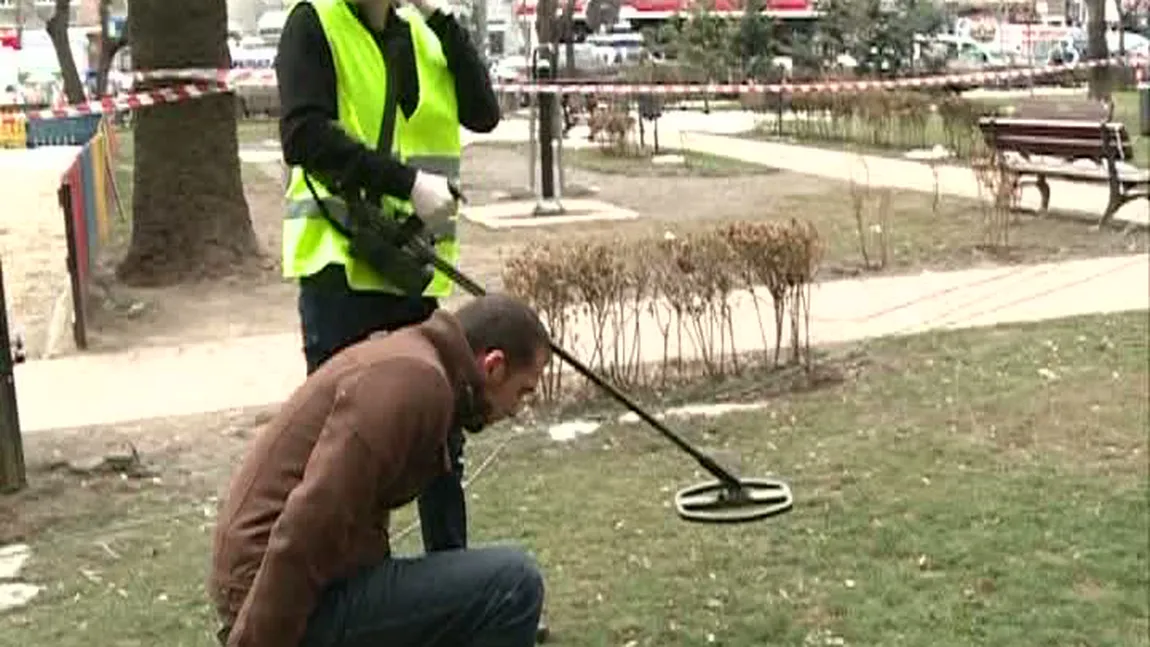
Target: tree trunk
108	49
190	218
1096	49
569	30
57	28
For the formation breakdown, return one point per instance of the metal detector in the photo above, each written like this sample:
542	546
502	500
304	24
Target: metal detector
727	499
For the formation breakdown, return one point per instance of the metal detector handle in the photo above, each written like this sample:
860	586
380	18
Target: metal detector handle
456	192
705	461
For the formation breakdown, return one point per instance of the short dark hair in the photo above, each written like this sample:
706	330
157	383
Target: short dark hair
503	322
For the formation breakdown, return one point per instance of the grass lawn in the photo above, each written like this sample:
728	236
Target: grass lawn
646	163
980	487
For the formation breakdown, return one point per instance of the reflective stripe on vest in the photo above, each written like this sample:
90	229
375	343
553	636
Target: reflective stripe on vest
442	228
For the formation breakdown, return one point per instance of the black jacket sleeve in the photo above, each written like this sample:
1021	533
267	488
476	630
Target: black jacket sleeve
309	130
478	105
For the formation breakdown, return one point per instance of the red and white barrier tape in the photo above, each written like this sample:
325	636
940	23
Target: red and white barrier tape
128	101
266	76
205	82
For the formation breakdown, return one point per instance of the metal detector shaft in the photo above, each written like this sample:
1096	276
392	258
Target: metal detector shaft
705	461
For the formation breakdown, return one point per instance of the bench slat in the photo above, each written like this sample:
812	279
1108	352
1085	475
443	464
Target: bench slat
1095	111
1131	176
1071	139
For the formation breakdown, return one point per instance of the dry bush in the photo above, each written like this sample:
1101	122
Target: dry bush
886	118
872	212
959	124
999	196
686	288
876	118
612	126
539	276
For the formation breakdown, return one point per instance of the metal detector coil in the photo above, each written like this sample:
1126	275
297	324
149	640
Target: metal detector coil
717	502
729	499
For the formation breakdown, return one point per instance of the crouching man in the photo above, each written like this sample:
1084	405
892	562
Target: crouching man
301	555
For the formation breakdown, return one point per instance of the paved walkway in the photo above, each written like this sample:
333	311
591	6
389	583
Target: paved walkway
252	371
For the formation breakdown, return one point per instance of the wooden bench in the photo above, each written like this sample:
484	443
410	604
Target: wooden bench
1065	133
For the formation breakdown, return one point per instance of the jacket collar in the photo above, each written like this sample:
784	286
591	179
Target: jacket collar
442	329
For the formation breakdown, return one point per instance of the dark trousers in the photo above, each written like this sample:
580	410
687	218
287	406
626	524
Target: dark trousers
482	597
333	317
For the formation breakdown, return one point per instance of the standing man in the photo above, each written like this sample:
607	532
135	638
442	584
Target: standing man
373	97
300	552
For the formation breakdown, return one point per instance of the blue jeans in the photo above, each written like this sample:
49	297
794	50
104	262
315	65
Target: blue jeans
483	597
333	317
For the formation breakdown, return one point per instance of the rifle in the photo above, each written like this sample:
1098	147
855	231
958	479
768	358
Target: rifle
397	246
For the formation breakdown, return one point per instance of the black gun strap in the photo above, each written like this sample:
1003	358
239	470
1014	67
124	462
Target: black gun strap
386	137
391	96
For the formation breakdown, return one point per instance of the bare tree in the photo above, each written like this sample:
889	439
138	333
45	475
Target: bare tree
1096	49
109	47
57	27
190	219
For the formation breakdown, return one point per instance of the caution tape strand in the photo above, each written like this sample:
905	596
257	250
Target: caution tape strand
202	82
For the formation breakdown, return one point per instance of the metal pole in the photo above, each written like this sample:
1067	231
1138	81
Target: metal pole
13	473
531	103
20	22
480	18
545	19
559	159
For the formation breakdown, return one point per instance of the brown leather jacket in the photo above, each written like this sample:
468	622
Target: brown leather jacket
310	504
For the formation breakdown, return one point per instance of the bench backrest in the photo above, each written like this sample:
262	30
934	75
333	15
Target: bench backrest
1061	109
1078	139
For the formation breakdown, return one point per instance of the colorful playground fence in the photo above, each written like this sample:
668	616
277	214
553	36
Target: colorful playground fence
17	131
88	197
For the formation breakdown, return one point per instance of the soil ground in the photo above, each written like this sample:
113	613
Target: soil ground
973	487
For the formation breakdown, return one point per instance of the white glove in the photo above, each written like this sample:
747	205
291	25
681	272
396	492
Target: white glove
432	198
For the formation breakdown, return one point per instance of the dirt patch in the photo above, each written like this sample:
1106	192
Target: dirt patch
259	301
186	460
33	246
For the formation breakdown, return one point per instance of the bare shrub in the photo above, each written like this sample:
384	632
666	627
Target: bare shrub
686	286
999	196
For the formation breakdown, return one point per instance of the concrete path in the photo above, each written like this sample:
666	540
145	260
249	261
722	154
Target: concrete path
253	371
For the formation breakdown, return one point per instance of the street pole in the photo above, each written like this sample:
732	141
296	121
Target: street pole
480	17
13	474
545	19
20	22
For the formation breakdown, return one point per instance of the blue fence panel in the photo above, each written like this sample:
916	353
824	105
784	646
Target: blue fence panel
89	198
65	131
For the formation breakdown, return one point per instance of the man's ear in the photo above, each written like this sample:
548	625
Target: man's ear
495	364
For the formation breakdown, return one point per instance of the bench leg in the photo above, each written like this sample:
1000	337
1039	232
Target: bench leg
1116	202
1044	192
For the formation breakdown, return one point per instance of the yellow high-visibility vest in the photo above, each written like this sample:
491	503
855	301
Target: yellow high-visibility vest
429	141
